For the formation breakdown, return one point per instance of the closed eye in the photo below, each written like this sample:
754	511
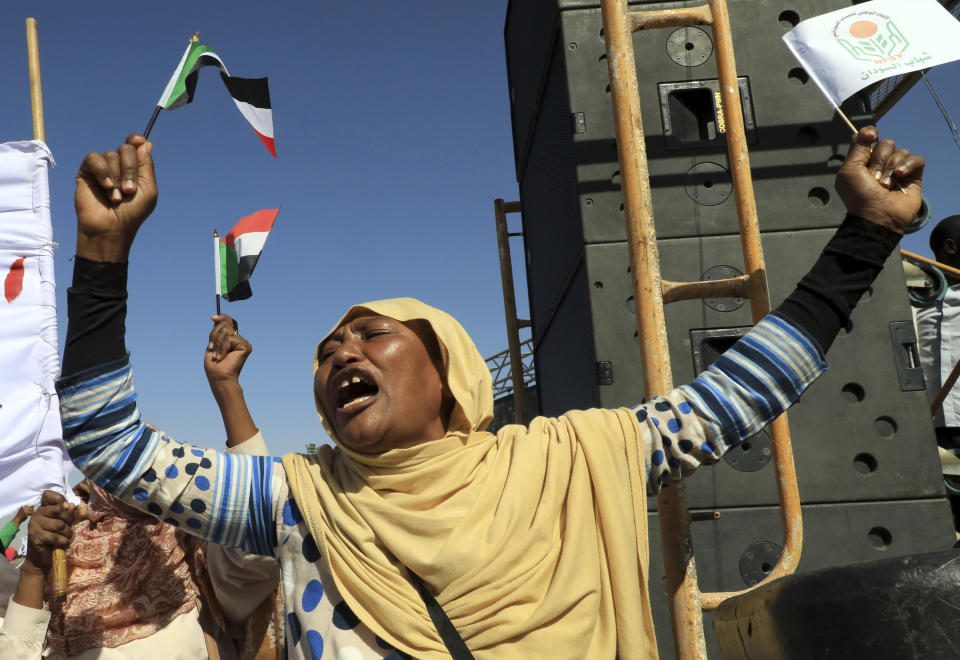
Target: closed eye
324	354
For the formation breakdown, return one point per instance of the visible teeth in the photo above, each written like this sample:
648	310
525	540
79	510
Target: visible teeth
345	382
350	404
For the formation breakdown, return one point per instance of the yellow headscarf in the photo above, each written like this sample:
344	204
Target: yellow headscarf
533	540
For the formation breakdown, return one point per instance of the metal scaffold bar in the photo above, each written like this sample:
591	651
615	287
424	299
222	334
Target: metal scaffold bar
650	292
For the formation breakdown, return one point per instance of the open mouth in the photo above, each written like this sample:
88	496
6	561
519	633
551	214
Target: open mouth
353	390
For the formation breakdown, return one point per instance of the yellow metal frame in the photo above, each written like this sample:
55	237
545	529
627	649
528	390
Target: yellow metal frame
687	602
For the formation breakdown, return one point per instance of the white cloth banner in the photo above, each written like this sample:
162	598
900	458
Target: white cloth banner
32	455
846	50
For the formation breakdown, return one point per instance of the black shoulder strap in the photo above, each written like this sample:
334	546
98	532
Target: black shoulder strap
448	633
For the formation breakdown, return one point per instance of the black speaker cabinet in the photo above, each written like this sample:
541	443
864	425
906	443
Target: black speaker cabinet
565	147
869	474
862	431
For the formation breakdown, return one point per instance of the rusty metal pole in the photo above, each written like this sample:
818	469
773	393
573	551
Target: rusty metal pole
500	209
916	258
739	160
784	466
678	560
783	459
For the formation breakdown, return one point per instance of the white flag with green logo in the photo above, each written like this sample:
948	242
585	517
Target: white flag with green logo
849	49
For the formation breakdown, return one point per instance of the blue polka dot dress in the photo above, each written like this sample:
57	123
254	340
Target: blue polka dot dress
320	624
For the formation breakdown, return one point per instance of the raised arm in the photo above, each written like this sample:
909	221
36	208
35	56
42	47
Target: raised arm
227	352
240	581
767	370
225	499
115	194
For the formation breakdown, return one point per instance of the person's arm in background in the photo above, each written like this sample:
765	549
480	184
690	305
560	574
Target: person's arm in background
25	625
11	528
768	369
22	514
241	581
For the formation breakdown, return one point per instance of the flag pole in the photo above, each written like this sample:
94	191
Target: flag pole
36	92
216	266
153	118
59	567
846	119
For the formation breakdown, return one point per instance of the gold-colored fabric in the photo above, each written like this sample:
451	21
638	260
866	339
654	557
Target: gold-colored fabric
533	540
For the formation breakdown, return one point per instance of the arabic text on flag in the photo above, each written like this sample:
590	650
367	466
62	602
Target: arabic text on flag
849	49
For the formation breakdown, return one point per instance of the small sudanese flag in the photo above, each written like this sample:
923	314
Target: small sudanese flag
237	254
252	95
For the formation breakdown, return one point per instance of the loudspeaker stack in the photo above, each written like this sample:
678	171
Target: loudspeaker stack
867	463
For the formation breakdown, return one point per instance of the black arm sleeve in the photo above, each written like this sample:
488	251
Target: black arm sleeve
851	260
96	312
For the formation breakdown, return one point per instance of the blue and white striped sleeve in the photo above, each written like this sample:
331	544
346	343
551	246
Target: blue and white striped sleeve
751	384
224	498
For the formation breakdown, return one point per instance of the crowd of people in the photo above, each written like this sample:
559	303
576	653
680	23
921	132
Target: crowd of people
419	534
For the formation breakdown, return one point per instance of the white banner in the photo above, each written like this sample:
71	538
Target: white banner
846	50
32	455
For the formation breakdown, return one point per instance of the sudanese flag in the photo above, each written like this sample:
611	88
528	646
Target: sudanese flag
252	95
237	254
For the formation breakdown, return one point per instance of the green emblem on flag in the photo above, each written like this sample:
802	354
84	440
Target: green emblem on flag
869	43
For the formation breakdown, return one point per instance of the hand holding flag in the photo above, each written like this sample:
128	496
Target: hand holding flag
227	351
116	192
866	176
225	340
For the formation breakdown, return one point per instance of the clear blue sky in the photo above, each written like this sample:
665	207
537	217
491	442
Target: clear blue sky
393	136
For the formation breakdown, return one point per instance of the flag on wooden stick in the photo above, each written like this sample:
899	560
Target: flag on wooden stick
252	95
846	50
237	254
